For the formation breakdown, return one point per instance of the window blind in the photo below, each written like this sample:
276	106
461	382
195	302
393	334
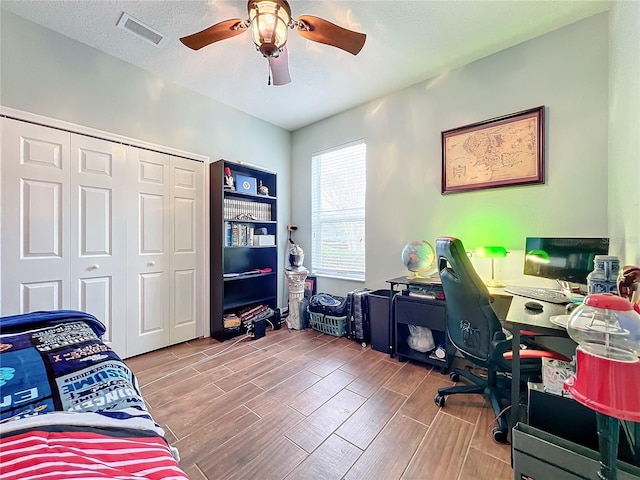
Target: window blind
338	187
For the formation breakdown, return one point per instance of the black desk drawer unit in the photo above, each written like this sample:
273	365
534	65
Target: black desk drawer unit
538	455
422	312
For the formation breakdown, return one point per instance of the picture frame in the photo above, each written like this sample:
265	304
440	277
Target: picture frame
499	152
246	184
309	286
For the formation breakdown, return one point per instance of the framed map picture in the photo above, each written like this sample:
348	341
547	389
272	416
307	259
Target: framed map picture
499	152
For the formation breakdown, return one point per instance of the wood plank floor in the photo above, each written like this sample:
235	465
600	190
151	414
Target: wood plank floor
304	405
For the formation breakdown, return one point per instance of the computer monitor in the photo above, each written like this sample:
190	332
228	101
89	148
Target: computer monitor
565	259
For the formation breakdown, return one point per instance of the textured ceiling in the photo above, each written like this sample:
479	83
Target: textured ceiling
407	42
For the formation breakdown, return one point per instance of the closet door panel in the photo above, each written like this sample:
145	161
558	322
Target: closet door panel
186	192
35	226
41	219
151	219
148	305
98	244
152	318
35	296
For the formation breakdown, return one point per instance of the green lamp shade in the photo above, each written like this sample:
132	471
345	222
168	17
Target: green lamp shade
491	252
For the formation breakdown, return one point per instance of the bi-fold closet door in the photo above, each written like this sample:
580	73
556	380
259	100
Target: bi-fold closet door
163	214
61	248
98	226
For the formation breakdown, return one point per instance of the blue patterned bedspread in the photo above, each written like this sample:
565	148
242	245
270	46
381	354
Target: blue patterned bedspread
56	362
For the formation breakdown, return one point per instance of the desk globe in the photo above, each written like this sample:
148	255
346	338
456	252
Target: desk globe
418	256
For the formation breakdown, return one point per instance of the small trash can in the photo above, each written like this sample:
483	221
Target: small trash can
379	320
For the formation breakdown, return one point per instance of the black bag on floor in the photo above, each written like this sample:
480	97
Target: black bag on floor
358	327
328	304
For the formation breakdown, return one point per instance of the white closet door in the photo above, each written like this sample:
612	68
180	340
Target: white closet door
186	192
148	252
35	221
98	240
93	225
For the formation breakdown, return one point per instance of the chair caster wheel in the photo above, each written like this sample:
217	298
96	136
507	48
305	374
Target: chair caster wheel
439	400
499	435
454	376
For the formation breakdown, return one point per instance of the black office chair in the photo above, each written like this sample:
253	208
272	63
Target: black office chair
474	329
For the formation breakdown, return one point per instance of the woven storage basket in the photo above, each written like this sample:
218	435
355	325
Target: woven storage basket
327	324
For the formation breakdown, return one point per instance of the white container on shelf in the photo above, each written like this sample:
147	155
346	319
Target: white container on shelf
264	240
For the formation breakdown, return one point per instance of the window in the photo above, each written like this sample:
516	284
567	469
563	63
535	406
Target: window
338	185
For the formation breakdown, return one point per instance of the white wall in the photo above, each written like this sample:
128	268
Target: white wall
50	74
565	70
624	131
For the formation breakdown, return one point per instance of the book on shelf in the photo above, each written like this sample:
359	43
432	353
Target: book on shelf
238	234
228	238
231	320
244	210
251	312
248	272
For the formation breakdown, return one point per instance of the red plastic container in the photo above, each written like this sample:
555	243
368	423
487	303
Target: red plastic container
607	378
607	386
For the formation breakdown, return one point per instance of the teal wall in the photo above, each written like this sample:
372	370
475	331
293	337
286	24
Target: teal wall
565	70
49	74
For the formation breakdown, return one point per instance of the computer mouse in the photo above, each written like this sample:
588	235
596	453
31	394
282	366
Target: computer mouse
571	307
535	306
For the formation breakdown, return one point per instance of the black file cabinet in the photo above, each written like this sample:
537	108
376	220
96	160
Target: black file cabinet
423	312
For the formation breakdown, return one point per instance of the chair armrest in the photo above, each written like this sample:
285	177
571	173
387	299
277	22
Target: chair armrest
499	346
528	353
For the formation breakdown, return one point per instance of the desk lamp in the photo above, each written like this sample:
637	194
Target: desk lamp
607	331
492	252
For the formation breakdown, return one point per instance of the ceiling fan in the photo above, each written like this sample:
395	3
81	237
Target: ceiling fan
269	21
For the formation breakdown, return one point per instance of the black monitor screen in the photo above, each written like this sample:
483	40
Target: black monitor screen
568	259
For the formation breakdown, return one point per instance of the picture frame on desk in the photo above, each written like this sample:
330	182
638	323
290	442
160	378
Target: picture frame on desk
499	152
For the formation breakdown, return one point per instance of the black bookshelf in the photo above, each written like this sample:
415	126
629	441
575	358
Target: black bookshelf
243	268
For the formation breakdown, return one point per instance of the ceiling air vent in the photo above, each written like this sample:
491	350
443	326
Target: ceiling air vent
139	29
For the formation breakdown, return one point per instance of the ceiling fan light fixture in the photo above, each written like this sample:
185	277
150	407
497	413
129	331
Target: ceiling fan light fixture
270	21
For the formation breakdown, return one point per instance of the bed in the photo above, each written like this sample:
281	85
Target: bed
70	407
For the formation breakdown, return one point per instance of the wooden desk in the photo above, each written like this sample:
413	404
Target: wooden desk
518	319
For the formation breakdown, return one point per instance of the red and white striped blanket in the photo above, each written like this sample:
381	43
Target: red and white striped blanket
86	453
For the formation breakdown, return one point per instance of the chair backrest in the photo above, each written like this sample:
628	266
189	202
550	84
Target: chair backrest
471	322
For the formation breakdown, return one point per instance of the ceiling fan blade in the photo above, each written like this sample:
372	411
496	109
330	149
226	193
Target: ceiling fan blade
215	33
280	68
323	31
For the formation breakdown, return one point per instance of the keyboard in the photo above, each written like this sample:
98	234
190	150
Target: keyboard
543	294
